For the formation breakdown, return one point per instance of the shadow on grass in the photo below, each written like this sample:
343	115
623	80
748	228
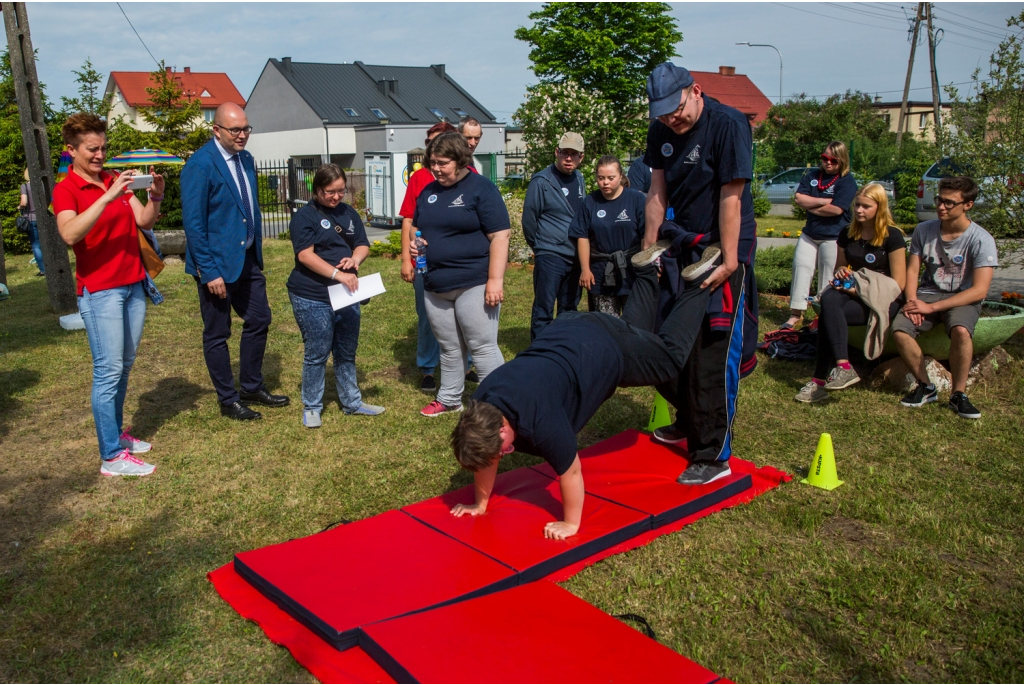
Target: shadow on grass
37	325
852	659
170	397
11	383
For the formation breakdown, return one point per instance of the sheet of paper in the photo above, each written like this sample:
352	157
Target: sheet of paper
369	286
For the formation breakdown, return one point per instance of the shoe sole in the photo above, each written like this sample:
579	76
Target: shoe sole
711	259
648	255
442	413
667	441
962	415
811	401
264	404
429	391
723	474
927	400
107	474
844	386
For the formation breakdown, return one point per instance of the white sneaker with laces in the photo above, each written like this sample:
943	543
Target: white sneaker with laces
125	464
132	444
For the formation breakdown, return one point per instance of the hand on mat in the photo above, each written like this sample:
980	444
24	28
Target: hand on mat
560	530
719	276
586	278
471	509
494	292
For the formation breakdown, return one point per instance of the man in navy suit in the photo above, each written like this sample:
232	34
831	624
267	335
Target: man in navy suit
224	253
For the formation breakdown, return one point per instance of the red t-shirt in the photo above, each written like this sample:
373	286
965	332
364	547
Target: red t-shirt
419	180
108	256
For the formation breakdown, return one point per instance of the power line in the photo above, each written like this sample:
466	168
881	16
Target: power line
1001	28
885	92
857	10
984	32
137	34
848	21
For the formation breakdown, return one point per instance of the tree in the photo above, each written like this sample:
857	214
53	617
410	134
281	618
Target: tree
89	98
984	136
592	60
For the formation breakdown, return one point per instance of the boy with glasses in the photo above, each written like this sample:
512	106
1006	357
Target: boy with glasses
959	259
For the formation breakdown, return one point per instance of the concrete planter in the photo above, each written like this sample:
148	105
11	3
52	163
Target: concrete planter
171	242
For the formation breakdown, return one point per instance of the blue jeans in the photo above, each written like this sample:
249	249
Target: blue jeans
113	323
325	331
428	352
33	237
555	278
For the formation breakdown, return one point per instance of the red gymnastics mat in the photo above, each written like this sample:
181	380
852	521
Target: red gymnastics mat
535	633
512	529
371	570
636	471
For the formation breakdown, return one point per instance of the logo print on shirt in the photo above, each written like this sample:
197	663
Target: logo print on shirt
601	214
870	258
457	202
351	227
324	223
565	191
666	150
432	199
623	216
814	183
694	154
958	259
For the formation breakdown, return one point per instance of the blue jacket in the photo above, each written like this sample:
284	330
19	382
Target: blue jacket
547	215
211	209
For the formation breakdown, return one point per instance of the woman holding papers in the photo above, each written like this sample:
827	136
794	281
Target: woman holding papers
330	243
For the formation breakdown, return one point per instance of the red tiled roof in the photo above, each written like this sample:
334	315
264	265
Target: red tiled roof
736	91
133	84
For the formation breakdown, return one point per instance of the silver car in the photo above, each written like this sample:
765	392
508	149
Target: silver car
781	187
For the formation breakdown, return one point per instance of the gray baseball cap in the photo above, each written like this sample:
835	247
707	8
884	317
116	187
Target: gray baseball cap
665	88
571	141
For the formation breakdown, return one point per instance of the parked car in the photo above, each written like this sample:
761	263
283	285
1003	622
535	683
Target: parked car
781	187
928	186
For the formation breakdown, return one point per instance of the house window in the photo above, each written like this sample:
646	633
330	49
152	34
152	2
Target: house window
379	113
351	112
205	94
923	120
438	113
887	118
461	112
208	115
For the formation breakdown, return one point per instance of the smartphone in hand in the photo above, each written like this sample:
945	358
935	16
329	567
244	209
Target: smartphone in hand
141	181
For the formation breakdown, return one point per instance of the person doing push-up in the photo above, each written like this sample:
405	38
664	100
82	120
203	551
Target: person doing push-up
540	400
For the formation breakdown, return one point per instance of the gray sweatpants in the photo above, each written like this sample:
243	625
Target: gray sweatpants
460	321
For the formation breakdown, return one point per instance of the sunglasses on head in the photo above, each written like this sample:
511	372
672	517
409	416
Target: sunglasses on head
829	159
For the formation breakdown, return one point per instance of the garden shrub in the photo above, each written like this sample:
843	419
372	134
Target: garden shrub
773	268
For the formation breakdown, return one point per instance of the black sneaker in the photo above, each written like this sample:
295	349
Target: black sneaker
959	403
703	472
471	376
921	395
428	384
670	434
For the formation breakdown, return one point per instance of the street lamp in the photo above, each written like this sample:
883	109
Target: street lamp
765	45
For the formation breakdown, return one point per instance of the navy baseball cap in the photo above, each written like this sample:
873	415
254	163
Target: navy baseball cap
665	88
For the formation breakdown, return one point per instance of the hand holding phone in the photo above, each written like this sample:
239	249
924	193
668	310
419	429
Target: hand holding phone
141	181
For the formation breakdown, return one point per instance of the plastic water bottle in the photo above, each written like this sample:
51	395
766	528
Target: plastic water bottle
421	248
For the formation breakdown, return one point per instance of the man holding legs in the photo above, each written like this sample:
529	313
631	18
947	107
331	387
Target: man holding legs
959	259
224	253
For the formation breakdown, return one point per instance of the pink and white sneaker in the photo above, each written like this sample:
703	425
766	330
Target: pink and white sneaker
435	408
125	464
132	444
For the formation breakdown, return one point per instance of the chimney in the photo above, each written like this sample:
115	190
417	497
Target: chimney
439	70
393	86
727	71
188	70
382	86
878	99
170	71
286	62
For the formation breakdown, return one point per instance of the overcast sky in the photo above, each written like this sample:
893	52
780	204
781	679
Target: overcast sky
826	47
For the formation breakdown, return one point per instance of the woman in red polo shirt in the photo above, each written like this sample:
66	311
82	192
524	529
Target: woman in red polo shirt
100	218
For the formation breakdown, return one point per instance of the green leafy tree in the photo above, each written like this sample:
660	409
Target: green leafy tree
89	99
592	60
984	135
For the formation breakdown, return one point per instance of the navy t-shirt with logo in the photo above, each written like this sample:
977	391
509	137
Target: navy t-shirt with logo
551	389
333	234
610	226
716	151
861	254
455	222
841	190
571	188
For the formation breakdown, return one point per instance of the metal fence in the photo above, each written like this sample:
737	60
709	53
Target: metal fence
284	186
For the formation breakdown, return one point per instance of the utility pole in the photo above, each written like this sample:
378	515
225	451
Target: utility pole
937	116
60	283
910	71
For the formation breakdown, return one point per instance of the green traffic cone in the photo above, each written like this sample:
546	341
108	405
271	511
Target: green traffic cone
660	415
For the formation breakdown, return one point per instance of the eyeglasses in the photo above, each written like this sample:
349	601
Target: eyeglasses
235	132
678	111
948	204
829	159
333	193
440	164
572	154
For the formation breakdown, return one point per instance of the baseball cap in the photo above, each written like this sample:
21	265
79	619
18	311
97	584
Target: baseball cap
665	87
571	141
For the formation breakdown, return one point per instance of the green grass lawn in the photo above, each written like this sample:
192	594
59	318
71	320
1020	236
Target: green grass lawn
912	570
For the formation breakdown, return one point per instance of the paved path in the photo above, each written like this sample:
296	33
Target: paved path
1006	278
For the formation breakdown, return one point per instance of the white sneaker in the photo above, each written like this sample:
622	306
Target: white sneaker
125	464
647	256
711	257
311	419
132	444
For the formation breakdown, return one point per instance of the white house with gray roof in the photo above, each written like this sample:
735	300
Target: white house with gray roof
311	112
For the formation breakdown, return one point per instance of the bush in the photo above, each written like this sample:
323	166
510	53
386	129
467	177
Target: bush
15	242
773	268
392	248
518	250
762	205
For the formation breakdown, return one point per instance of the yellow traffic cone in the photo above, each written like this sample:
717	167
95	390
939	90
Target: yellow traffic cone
660	415
822	473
